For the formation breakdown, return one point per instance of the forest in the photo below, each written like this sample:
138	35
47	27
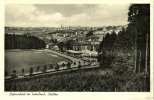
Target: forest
13	41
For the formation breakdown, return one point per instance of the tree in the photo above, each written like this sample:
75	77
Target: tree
79	66
57	67
55	41
69	44
89	33
139	18
84	62
23	71
74	63
106	50
68	65
79	63
31	71
63	65
6	73
45	68
14	75
125	40
113	38
105	42
61	46
37	69
51	66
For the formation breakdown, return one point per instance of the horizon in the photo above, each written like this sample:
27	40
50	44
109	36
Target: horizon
60	26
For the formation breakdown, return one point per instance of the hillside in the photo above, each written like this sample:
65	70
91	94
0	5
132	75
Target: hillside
81	80
89	80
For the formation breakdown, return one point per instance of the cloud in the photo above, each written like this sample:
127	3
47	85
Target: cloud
70	15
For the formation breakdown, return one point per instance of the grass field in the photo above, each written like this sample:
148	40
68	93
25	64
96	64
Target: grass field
30	58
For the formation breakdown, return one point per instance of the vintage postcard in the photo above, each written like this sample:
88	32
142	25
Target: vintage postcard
76	49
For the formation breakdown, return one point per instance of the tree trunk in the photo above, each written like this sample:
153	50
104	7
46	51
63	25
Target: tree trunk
139	62
135	53
146	56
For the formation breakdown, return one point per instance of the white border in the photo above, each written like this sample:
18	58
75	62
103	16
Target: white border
74	95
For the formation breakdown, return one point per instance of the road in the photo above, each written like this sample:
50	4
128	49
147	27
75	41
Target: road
68	57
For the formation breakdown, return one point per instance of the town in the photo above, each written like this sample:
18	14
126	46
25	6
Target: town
81	42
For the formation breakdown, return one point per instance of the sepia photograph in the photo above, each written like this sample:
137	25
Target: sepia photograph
77	47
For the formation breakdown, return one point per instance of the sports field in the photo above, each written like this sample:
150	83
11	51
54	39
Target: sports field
19	59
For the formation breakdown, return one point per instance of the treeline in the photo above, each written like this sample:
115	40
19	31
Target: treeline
13	41
128	52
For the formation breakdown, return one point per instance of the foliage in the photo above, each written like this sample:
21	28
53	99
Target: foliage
23	71
14	75
69	44
89	33
139	17
13	41
31	71
57	67
78	81
51	66
139	21
106	54
117	51
68	65
61	46
138	82
45	68
84	80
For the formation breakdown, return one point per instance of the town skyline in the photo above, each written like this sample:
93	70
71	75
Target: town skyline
55	15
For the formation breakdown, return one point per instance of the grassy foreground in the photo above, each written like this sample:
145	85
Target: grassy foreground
82	80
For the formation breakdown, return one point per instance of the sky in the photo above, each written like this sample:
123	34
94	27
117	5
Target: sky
55	15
